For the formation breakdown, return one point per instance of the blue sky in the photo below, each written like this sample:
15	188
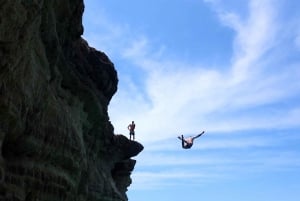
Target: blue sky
231	68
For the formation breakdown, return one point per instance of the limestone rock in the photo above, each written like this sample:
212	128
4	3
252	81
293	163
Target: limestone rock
56	140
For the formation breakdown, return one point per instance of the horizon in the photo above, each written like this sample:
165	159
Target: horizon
230	69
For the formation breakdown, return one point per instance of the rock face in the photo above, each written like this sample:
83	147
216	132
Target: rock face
56	140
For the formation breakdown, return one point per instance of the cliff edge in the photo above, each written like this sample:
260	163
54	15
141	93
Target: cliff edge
56	140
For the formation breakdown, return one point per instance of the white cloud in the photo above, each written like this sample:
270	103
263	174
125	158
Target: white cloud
153	180
180	97
256	92
167	170
297	35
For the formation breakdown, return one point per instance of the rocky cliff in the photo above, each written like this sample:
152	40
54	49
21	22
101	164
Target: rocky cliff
56	140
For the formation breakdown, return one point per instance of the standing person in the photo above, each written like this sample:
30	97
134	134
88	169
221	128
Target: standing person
131	128
188	142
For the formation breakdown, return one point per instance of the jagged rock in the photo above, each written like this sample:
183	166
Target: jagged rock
56	140
127	148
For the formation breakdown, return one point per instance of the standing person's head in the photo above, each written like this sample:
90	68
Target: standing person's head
132	122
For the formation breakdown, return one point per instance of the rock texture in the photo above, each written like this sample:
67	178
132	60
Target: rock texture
56	140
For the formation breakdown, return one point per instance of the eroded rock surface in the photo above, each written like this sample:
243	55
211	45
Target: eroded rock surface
56	140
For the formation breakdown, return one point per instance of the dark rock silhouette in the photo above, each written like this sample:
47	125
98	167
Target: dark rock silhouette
56	140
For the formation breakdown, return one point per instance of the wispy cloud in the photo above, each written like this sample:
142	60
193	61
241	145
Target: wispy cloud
200	97
174	94
154	180
167	97
161	170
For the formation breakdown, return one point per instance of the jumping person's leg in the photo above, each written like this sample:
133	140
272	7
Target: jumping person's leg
182	141
198	135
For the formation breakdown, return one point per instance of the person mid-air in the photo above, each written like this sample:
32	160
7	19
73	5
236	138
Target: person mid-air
188	142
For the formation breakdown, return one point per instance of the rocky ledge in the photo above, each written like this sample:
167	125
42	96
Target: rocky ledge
56	140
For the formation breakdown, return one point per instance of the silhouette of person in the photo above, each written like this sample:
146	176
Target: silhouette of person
188	142
131	128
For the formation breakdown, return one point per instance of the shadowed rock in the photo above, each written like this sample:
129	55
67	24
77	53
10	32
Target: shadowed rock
56	140
127	148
